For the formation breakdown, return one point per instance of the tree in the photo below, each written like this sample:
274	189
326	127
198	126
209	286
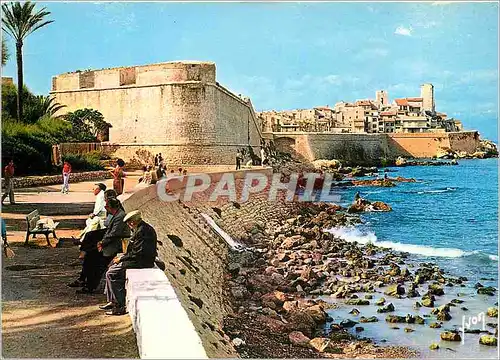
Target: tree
5	52
20	20
36	107
87	124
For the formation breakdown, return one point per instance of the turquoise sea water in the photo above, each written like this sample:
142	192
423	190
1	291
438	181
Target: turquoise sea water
450	217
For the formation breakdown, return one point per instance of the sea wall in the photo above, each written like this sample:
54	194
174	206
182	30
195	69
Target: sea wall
373	147
196	257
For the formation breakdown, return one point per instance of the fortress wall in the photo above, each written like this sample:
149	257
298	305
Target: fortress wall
371	147
196	257
190	120
466	141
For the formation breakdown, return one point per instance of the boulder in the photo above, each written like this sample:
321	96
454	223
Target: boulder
450	336
274	325
354	312
302	321
323	345
435	325
299	339
486	290
395	319
368	320
347	323
488	340
388	308
409	330
419	320
394	290
357	302
443	316
433	346
359	328
436	289
493	312
428	302
380	206
400	161
317	313
380	302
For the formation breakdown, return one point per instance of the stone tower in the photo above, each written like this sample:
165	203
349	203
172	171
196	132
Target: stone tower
427	95
381	98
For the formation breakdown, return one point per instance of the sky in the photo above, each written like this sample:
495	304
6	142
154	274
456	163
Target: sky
288	55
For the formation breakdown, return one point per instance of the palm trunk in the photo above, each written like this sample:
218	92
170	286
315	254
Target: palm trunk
19	57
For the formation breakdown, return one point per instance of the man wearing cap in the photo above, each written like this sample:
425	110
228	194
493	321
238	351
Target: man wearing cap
141	253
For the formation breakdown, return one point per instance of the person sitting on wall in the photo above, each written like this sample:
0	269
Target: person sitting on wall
141	253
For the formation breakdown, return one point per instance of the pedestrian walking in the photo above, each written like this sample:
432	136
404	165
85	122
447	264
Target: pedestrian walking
8	175
66	173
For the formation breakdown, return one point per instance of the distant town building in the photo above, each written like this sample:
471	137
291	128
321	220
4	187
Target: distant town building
404	115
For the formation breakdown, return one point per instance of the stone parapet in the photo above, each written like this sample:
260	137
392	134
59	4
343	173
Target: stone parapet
32	181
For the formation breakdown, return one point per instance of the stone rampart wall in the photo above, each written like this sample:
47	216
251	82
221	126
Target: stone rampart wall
196	256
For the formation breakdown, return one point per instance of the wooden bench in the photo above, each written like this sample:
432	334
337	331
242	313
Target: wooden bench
32	228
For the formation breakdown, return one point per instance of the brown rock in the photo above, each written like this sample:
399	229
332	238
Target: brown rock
324	345
299	339
302	321
274	325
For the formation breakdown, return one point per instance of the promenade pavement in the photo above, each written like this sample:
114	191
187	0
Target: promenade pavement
41	316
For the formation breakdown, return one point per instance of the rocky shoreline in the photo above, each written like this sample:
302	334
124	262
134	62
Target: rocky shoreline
279	284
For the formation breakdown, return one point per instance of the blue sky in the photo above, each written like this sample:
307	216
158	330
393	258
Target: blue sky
289	55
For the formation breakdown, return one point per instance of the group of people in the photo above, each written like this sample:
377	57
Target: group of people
254	160
151	176
112	242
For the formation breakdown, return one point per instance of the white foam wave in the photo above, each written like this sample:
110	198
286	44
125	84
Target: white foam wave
353	234
437	191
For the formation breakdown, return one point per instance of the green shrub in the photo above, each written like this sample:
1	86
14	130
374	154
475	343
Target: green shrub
84	162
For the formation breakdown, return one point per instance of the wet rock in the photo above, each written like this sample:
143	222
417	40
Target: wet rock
433	346
419	320
368	320
456	301
388	308
299	339
493	312
381	206
357	302
410	319
395	319
359	328
347	323
489	290
409	330
436	289
354	312
435	325
488	340
368	297
450	336
317	313
443	316
394	290
478	285
302	321
428	302
238	342
380	302
274	325
412	292
417	305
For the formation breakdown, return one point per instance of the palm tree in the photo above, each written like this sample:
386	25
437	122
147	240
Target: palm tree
5	52
39	106
20	20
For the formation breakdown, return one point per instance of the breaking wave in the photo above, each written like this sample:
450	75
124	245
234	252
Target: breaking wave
437	191
353	234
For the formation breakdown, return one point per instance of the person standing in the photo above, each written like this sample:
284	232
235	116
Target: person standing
160	159
9	182
156	160
141	254
66	172
118	175
239	158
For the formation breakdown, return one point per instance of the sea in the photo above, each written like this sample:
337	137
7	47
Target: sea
449	217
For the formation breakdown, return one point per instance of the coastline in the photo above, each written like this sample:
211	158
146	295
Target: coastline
294	277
